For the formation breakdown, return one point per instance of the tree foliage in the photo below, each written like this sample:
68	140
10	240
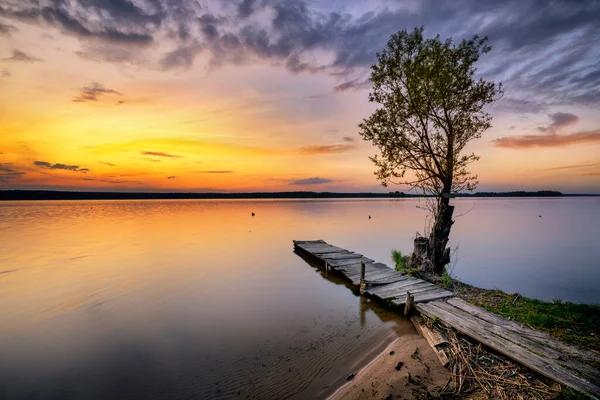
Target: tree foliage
431	107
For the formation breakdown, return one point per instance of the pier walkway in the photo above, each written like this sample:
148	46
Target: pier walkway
536	350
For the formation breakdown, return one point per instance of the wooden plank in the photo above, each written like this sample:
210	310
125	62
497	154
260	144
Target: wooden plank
354	269
337	263
537	336
525	342
431	295
371	275
307	241
434	338
398	285
323	250
340	256
471	326
384	281
376	273
401	292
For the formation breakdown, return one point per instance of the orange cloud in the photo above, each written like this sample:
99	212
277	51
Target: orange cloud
551	140
159	154
327	149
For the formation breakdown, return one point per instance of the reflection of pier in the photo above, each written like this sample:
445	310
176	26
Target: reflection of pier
534	349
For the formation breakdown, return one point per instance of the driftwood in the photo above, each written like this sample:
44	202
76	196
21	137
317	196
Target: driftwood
436	340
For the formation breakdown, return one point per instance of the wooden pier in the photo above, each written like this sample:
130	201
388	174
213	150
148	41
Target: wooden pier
534	349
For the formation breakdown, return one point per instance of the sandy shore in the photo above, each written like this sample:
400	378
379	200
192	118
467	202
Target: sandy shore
382	379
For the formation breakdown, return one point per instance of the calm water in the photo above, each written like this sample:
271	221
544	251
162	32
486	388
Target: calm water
197	299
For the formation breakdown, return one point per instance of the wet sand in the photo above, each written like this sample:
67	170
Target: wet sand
380	379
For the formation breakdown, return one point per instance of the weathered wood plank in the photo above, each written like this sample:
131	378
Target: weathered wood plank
401	292
349	269
384	281
398	285
323	250
308	241
431	295
522	341
472	327
537	336
371	275
434	338
339	256
339	263
376	272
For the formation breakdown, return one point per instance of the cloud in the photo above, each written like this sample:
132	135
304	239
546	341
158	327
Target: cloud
548	58
548	140
354	84
216	172
327	149
8	173
181	58
5	73
19	56
159	154
576	166
311	181
552	138
245	8
110	54
171	177
112	181
74	168
94	92
107	163
117	21
348	139
6	29
560	120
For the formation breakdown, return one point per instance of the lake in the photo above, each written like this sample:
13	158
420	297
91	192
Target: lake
198	299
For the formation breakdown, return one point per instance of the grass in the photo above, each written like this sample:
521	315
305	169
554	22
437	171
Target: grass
569	394
447	281
400	260
578	324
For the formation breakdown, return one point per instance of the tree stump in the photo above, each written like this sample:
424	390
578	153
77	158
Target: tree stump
420	256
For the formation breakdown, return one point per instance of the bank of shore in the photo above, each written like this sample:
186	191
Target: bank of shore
423	377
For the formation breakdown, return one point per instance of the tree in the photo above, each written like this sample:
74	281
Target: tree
431	106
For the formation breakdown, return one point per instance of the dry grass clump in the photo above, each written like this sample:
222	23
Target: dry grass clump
475	372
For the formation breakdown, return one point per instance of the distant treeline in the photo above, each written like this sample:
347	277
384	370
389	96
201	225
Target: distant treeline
540	193
64	195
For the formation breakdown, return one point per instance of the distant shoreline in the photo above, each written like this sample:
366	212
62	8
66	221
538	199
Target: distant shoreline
72	195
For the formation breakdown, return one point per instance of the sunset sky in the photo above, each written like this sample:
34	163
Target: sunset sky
265	95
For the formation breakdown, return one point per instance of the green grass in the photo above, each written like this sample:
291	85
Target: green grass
578	324
447	282
569	394
400	260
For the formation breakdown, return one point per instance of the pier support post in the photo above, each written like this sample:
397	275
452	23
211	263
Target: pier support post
409	304
362	277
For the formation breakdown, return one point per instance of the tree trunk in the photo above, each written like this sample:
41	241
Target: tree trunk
438	253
